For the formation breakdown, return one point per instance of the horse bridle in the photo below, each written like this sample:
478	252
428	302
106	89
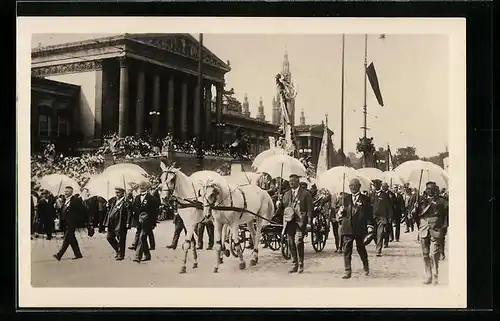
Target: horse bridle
215	194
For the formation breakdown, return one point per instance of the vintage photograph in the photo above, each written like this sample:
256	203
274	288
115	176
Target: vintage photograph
218	159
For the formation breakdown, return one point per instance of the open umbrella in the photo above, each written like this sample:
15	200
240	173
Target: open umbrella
392	178
282	166
371	173
266	154
126	179
244	178
126	167
417	172
337	179
55	183
201	177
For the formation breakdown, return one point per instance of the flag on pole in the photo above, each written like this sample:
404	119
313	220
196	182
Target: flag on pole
390	165
323	153
372	77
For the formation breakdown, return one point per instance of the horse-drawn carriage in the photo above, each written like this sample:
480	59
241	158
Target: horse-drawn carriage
274	238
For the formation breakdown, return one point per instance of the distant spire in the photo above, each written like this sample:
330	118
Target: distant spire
286	66
260	115
302	120
246	106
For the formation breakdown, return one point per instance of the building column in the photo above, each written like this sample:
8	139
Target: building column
208	115
156	107
123	98
184	93
197	112
170	104
218	114
141	95
100	81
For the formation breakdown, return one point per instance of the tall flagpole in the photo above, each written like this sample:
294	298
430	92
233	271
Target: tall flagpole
342	105
364	104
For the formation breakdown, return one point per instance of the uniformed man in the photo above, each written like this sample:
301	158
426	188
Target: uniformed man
356	214
431	213
297	205
118	220
382	213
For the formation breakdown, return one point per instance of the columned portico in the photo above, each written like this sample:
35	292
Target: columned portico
156	106
170	104
208	115
183	111
141	95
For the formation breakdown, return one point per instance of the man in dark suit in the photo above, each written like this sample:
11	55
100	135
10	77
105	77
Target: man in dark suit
398	208
145	209
118	222
46	213
298	206
200	230
152	206
408	206
382	213
431	212
356	214
74	214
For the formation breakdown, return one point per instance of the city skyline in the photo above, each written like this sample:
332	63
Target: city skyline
412	72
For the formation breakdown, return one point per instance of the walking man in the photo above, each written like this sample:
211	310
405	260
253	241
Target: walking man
431	212
356	214
382	212
298	206
145	210
118	222
75	215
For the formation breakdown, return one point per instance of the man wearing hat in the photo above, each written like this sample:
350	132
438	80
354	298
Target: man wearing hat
145	210
75	215
356	214
297	204
46	213
118	221
431	212
382	213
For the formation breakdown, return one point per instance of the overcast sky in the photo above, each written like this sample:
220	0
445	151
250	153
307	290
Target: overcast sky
412	71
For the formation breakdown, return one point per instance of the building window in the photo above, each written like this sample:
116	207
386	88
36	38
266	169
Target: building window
44	125
62	127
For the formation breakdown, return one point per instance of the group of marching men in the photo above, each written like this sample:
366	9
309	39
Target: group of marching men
361	216
113	217
358	216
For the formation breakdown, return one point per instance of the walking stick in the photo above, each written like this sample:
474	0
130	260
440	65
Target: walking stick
59	188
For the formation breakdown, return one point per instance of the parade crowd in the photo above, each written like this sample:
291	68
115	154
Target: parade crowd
357	217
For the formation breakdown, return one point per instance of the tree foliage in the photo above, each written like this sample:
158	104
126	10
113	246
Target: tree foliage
404	154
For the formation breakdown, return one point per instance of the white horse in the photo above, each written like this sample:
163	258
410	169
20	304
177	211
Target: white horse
176	185
234	205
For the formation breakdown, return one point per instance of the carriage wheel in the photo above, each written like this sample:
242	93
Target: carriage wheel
285	251
274	241
319	232
243	243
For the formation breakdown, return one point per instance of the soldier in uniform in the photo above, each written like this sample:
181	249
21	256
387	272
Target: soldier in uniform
431	212
297	205
356	213
382	213
118	221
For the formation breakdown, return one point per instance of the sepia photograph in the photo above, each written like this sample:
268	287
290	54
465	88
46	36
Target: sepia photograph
193	159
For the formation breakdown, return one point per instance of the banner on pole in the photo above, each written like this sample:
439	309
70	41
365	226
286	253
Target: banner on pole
372	77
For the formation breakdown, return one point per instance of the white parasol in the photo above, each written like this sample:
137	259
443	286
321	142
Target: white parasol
372	173
417	172
392	178
266	154
337	179
244	178
55	183
282	166
126	167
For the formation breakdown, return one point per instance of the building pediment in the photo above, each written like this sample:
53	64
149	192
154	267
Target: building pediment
183	45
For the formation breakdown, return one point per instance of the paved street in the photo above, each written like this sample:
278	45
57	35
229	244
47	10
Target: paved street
400	265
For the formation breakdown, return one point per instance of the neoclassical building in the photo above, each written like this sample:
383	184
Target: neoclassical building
133	83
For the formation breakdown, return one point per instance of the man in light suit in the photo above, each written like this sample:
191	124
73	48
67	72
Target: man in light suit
356	214
297	204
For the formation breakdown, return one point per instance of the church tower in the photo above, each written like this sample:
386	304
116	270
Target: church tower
260	115
246	106
302	118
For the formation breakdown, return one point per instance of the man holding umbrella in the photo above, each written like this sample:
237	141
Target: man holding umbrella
356	214
297	204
